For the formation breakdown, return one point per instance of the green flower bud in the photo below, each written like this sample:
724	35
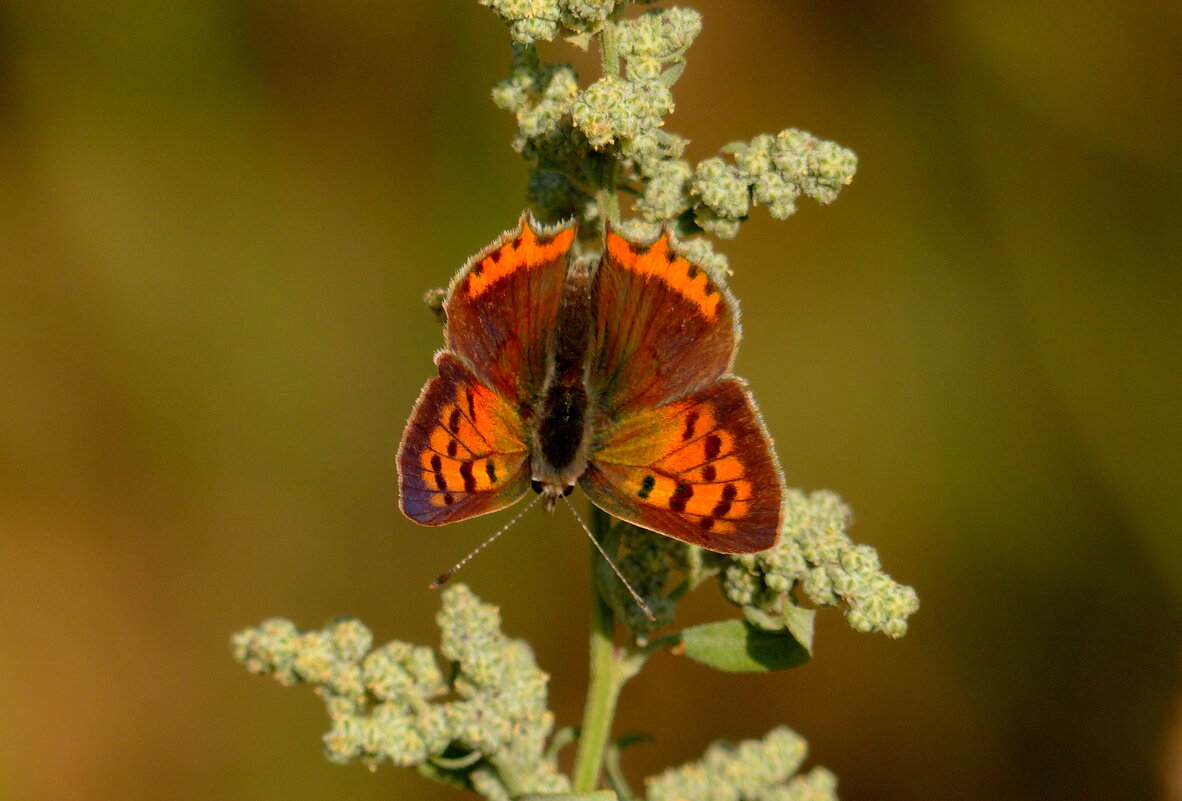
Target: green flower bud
816	555
818	167
586	16
666	195
712	222
345	740
528	20
612	109
753	770
314	658
351	639
270	648
663	34
722	188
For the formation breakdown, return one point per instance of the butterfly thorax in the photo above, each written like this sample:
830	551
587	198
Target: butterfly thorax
561	432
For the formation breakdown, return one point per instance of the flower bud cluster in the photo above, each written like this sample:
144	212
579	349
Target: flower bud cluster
782	167
576	142
816	556
383	702
647	563
754	770
609	135
528	20
769	171
563	167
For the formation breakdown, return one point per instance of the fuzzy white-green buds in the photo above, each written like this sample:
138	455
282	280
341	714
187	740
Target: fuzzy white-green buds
609	135
754	770
816	555
384	702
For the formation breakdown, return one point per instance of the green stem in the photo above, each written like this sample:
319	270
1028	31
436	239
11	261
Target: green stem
609	57
602	695
611	667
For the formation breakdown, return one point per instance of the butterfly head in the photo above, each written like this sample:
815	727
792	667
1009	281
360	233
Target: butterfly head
551	492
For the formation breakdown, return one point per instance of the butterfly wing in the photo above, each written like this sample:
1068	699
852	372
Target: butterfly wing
700	469
463	452
664	326
502	305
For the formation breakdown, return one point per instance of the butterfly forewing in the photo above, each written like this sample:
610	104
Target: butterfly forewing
664	326
463	452
502	306
700	469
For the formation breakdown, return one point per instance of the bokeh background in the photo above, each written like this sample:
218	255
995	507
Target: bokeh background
217	220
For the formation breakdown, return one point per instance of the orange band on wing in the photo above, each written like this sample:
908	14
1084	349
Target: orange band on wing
526	249
660	261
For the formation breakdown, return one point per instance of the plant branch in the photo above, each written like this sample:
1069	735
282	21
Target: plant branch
611	667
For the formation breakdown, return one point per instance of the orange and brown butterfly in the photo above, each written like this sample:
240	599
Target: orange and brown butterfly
613	375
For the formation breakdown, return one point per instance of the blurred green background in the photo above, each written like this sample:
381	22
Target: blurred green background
217	220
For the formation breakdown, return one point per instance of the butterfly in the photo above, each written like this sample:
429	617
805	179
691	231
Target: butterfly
612	375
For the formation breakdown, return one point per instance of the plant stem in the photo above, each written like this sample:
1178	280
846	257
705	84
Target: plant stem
609	58
611	666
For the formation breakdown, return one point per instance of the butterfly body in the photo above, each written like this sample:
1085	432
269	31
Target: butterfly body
612	376
559	456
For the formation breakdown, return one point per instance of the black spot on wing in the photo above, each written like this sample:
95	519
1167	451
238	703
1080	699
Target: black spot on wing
724	506
469	479
680	497
437	469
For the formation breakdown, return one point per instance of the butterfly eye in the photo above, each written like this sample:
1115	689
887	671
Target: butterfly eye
568	490
537	486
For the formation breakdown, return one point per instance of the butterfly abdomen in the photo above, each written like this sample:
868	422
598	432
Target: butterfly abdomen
561	435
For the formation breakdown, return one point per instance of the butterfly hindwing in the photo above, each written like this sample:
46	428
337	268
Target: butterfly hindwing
664	326
700	469
502	306
463	452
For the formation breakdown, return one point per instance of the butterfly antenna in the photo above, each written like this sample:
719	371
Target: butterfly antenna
447	574
635	595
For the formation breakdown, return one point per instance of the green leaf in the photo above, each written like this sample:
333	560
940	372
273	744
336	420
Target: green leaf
455	778
800	623
598	795
457	763
797	620
738	647
671	74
